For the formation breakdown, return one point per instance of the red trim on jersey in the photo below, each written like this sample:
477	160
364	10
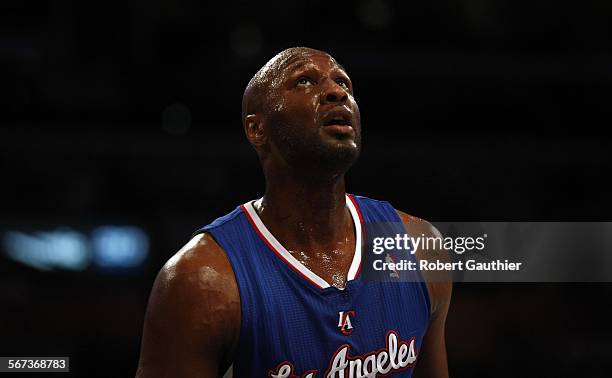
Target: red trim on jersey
296	269
277	253
363	233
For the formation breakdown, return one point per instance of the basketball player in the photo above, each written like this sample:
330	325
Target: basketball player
274	288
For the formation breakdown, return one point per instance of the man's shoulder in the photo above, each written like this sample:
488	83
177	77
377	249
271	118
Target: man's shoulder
201	258
418	226
439	283
198	275
194	304
220	221
197	278
363	198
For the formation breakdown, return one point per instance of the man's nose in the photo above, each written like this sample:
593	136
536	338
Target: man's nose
333	92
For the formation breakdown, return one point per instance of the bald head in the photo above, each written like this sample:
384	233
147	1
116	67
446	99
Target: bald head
259	93
299	111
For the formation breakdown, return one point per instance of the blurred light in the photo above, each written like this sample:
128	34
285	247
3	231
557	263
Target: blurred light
375	14
108	247
119	247
176	119
246	41
63	249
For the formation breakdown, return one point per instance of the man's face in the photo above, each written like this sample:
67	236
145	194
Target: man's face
313	119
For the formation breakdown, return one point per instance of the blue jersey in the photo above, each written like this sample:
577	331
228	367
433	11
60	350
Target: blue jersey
295	324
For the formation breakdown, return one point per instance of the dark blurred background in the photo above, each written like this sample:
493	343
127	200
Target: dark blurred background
121	134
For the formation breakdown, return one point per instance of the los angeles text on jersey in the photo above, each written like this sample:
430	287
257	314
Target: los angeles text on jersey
395	357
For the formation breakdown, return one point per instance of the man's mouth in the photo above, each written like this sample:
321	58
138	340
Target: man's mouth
341	121
338	116
338	123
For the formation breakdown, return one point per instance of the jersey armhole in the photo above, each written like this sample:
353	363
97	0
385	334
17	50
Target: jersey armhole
231	355
421	279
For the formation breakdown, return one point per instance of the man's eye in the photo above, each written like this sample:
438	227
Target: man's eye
304	81
342	83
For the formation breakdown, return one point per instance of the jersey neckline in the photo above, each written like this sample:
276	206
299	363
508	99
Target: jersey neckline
280	251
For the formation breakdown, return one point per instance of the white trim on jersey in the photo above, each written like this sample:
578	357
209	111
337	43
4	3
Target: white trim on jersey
280	251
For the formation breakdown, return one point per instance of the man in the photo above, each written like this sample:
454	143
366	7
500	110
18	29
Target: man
273	288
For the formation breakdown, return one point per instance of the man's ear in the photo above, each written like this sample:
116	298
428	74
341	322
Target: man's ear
254	129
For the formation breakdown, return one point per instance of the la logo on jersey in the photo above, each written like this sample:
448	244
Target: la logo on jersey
344	321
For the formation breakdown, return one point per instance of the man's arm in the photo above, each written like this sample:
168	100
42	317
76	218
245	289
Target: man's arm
193	317
432	356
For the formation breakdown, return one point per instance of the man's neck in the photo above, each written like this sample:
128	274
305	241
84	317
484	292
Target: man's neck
306	212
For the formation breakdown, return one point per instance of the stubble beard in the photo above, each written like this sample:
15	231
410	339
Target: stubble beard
312	156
